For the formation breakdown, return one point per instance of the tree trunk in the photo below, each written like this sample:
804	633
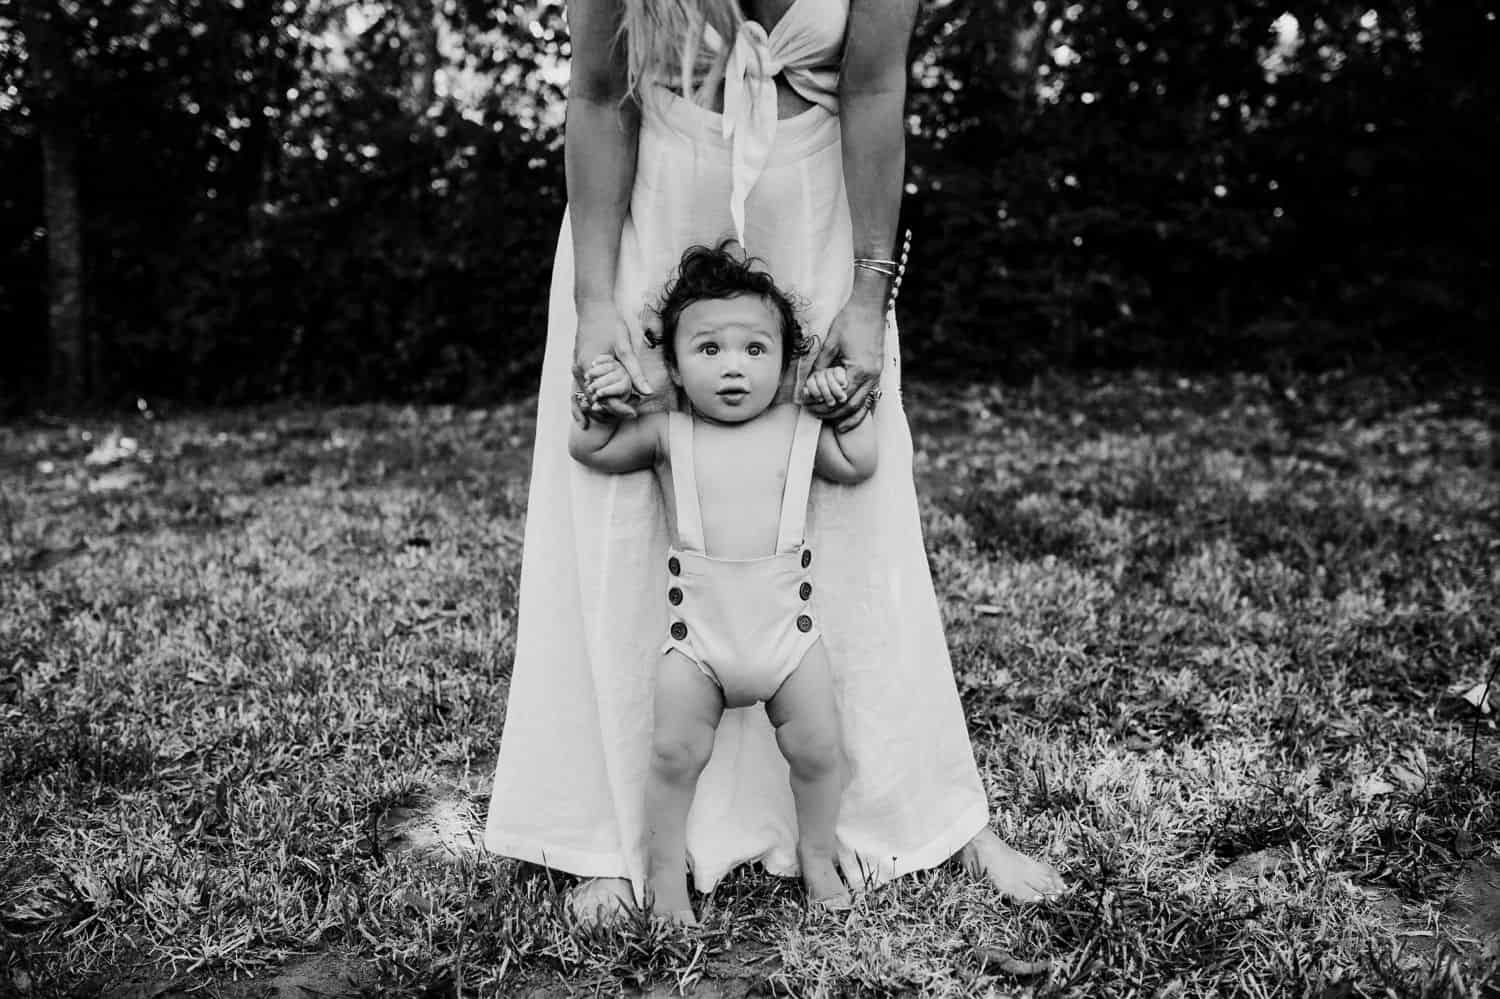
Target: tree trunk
73	372
70	357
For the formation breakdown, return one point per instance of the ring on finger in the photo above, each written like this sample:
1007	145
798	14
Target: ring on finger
872	399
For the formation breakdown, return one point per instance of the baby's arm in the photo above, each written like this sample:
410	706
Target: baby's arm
618	446
849	457
611	445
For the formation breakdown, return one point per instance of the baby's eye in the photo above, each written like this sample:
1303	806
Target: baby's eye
756	350
709	348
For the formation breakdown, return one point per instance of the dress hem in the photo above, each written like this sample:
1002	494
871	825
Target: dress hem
585	864
580	863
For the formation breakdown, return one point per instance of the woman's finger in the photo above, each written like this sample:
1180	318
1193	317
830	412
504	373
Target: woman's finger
852	413
853	401
617	406
625	354
826	351
850	422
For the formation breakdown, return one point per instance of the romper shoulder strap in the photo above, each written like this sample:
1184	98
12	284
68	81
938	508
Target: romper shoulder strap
798	481
685	481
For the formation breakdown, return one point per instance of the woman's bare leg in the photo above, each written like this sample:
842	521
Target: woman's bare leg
806	717
688	708
1013	874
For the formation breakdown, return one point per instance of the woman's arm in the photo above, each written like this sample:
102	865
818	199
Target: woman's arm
872	104
872	99
599	151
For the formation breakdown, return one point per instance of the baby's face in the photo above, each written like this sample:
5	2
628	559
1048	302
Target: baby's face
729	354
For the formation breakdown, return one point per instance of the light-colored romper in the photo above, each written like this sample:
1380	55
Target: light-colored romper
746	623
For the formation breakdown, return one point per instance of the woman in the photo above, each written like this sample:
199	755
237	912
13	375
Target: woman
780	124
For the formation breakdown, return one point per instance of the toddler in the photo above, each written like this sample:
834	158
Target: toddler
735	468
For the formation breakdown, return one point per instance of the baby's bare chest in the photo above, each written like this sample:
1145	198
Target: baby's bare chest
745	487
741	476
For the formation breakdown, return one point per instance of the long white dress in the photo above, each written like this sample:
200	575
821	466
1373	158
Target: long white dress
593	611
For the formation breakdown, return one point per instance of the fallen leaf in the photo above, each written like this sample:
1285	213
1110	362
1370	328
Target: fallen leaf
1371	786
999	960
1408	780
1478	696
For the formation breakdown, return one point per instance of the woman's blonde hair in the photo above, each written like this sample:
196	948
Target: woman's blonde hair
664	38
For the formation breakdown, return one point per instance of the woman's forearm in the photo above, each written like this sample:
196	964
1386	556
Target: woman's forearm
599	147
874	169
872	99
599	151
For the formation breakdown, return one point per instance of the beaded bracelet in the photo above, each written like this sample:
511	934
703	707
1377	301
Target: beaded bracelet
894	269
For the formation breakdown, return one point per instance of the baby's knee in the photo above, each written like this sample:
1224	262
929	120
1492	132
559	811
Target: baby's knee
813	752
681	752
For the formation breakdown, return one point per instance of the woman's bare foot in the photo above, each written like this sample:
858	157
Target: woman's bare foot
668	898
821	881
600	900
1013	874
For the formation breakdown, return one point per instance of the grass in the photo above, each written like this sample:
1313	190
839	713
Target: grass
1211	638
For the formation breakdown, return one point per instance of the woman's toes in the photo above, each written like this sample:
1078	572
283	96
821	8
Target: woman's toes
598	901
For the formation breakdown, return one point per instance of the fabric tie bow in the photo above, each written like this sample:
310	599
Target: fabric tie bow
749	113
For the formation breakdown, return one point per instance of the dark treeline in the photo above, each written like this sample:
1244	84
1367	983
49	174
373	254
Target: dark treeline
232	200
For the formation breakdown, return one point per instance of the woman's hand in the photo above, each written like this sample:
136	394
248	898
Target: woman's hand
855	340
603	331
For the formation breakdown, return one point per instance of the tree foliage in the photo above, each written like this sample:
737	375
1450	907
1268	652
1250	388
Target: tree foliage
355	198
1205	184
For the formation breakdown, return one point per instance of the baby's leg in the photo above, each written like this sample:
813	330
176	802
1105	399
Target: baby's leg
807	729
688	708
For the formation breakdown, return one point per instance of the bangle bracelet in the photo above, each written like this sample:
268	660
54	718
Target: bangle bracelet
893	269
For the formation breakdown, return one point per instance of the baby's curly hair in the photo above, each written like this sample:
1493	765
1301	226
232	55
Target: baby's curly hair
718	272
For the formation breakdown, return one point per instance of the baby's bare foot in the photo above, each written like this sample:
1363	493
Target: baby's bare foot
824	887
668	898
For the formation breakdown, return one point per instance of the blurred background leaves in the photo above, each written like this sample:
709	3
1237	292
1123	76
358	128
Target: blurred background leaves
221	201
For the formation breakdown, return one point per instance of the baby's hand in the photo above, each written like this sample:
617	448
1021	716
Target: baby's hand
606	378
826	387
